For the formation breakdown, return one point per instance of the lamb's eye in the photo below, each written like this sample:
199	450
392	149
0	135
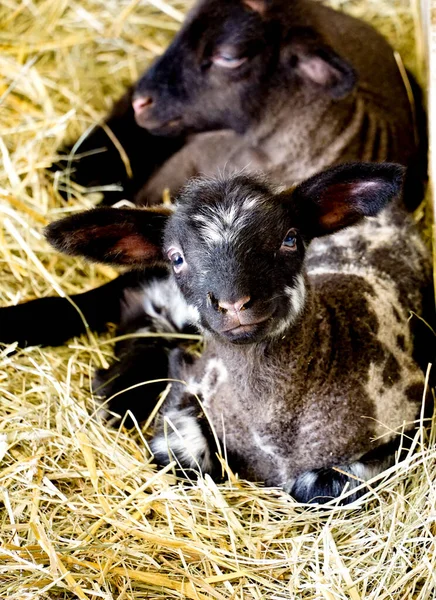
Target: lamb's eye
290	241
177	259
228	61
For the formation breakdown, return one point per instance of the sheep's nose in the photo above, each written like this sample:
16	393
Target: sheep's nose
139	104
234	307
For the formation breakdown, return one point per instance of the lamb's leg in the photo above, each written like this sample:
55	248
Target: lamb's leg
184	433
52	321
124	385
322	485
127	384
154	308
185	437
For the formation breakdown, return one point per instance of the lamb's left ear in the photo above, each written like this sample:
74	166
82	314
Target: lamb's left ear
343	195
117	236
259	6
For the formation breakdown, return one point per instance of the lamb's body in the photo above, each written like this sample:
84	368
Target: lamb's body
341	380
308	362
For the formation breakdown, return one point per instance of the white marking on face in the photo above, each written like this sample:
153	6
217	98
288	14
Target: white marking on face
250	202
184	439
228	216
212	231
297	296
219	224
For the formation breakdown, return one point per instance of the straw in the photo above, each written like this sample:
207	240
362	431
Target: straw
84	513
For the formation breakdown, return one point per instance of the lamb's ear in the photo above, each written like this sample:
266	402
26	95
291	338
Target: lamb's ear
319	65
343	195
259	6
112	235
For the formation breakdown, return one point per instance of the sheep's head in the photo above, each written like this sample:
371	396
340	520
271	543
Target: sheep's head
235	247
229	59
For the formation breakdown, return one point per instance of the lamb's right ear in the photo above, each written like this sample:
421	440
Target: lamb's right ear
117	236
343	196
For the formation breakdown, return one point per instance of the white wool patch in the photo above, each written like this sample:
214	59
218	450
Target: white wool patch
378	232
297	294
263	445
393	408
185	440
215	375
164	303
308	428
305	481
297	297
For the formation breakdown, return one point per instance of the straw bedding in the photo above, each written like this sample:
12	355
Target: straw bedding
83	511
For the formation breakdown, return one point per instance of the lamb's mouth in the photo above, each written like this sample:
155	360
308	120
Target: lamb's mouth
244	333
162	128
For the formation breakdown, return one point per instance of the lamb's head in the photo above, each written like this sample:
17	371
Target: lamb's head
236	247
237	256
228	59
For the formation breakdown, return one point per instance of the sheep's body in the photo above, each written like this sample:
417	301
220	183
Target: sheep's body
339	382
309	361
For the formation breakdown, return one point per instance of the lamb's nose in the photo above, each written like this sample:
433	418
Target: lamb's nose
235	307
142	102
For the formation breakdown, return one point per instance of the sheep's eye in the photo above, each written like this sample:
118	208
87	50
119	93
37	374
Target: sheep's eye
290	241
177	259
227	61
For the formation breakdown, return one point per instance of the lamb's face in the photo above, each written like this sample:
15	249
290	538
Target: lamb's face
230	63
237	258
211	75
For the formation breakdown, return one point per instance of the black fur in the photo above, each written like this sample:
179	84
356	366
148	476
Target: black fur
52	321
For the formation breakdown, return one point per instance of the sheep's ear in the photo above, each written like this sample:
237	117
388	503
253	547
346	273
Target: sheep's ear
343	195
318	64
112	235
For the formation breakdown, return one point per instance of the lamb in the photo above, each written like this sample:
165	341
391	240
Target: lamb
308	372
285	88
